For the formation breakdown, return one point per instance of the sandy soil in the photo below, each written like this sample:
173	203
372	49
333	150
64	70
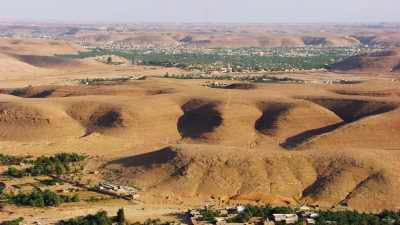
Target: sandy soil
185	143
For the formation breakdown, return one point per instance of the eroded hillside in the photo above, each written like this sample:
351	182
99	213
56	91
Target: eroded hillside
181	141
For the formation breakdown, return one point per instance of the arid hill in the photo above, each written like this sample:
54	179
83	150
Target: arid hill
181	141
389	40
219	35
36	47
11	65
21	57
23	61
378	62
221	40
230	174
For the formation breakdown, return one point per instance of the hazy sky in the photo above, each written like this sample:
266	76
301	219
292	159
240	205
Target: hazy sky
203	10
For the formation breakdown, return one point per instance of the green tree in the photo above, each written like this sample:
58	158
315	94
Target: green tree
14	172
17	221
100	218
75	198
59	168
109	60
120	218
38	198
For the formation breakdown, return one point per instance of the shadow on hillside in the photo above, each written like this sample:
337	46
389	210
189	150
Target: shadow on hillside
267	123
199	117
148	159
303	137
349	111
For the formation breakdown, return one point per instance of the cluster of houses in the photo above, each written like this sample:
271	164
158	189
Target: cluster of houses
304	214
125	192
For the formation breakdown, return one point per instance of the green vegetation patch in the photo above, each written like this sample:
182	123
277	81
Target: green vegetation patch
354	217
238	59
58	164
265	212
325	217
38	198
52	182
209	215
100	218
7	160
17	221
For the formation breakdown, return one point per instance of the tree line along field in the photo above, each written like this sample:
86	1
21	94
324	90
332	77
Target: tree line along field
345	217
253	59
266	212
58	164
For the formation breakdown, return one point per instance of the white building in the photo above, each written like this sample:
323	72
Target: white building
287	218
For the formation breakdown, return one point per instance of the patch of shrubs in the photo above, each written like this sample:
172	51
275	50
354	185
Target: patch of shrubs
254	211
51	182
38	198
17	221
209	215
14	172
7	160
58	164
153	222
100	218
324	218
354	217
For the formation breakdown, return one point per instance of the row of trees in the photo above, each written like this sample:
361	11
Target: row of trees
255	211
209	215
353	217
100	218
17	221
6	160
58	164
38	198
324	218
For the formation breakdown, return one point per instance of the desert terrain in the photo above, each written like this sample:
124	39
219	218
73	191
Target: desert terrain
184	144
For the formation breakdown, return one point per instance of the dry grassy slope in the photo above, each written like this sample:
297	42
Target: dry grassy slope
227	141
373	88
283	119
388	39
380	62
49	61
27	57
252	39
36	47
25	62
267	40
323	178
137	38
104	115
380	131
22	121
10	65
253	121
